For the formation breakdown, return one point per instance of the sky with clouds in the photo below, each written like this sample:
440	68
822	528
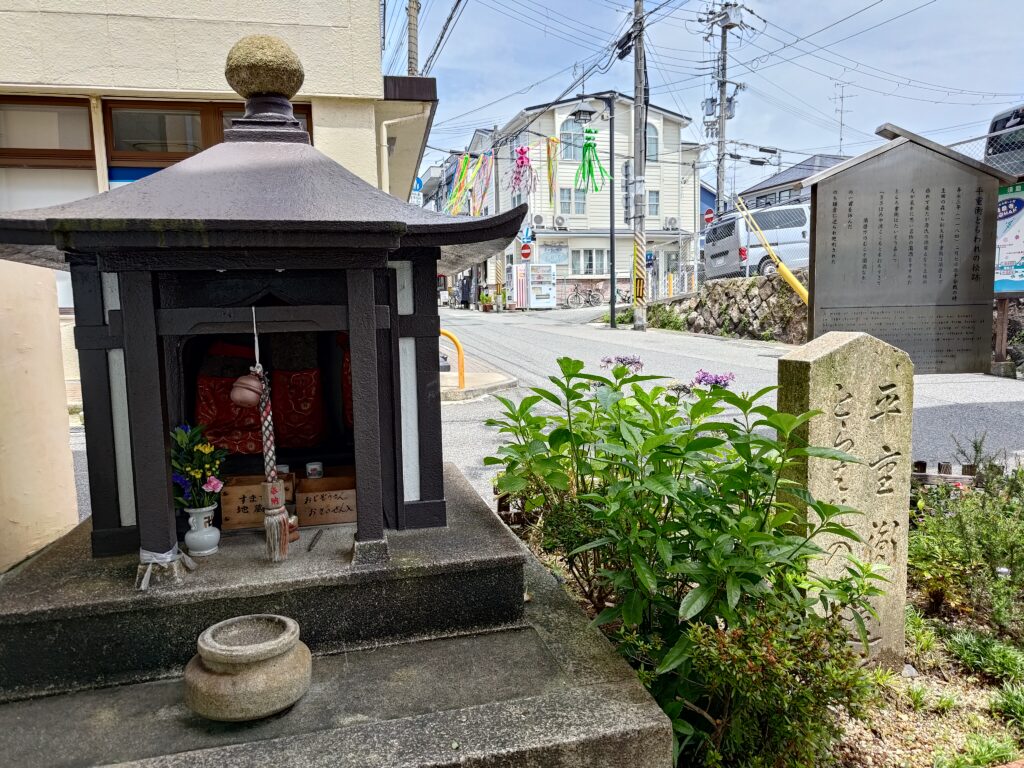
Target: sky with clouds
938	67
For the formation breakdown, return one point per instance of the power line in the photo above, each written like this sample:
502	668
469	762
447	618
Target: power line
442	39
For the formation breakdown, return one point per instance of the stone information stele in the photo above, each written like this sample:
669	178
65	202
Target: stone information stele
864	390
903	248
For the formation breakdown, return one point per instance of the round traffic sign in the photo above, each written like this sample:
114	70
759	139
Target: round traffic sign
526	251
709	216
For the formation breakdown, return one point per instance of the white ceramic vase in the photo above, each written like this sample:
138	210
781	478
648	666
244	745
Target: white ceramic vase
203	536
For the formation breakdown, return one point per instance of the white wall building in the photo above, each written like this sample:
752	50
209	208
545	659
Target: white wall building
571	227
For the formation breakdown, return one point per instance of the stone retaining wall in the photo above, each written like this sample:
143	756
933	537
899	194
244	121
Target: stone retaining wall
763	308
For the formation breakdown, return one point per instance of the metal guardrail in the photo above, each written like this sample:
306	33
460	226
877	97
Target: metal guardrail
461	356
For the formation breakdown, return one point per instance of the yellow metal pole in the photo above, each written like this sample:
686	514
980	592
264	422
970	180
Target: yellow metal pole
461	356
788	276
670	293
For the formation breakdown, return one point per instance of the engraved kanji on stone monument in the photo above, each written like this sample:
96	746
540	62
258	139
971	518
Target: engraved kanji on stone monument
864	390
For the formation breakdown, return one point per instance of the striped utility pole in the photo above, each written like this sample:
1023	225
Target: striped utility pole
639	165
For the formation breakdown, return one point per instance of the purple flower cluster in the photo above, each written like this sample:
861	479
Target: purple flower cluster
632	362
706	379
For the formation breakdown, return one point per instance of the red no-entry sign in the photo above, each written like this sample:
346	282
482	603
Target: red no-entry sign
526	251
709	216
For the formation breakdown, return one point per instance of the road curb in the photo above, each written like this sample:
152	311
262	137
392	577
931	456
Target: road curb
454	394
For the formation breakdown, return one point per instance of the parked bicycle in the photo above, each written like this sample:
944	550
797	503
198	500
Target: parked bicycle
578	297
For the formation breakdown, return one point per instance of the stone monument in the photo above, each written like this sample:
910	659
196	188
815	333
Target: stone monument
903	247
864	390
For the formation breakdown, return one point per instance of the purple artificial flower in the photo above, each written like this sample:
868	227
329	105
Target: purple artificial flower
707	379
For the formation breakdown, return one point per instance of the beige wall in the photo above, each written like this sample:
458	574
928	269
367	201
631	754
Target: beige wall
154	46
344	131
37	485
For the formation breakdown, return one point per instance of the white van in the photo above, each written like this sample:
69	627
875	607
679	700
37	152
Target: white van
731	249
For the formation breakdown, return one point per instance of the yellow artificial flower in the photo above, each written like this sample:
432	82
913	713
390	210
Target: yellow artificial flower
205	448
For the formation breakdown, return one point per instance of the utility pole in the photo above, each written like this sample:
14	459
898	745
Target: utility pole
639	166
414	38
723	82
610	102
728	17
841	110
499	279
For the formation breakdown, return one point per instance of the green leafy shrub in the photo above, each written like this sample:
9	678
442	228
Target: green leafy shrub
946	703
966	551
1009	703
986	655
699	552
980	751
917	697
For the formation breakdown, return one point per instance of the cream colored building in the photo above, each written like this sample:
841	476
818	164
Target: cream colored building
93	95
571	227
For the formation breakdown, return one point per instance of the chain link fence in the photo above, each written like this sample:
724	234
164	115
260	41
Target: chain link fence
1002	149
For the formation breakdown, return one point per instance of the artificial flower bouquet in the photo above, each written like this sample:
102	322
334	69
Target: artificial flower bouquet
195	464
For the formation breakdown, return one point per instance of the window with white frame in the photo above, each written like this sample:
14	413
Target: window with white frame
590	261
572	201
653	203
570	137
652	143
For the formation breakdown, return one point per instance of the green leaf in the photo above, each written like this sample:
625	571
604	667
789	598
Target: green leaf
676	655
703	444
559	437
656	441
732	591
512	483
663	485
558	480
547	395
608	614
820	452
633	608
696	600
591	545
569	367
644	572
862	630
665	551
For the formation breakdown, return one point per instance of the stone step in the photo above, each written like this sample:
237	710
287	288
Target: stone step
70	622
551	694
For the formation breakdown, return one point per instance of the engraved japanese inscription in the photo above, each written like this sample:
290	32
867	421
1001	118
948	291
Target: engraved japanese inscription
863	389
904	249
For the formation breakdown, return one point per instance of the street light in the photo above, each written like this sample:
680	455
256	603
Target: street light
584	113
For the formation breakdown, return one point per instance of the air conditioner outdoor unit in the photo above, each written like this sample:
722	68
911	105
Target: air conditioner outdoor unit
538	221
560	222
671	223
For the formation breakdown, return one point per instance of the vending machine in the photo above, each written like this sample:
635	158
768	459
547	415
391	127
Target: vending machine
542	286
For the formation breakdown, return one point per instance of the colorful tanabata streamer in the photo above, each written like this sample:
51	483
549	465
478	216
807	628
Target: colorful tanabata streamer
521	178
552	157
479	192
462	190
590	174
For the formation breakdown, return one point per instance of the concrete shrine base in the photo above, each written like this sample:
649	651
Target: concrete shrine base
71	622
551	693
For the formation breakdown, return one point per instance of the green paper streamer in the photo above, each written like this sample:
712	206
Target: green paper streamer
590	174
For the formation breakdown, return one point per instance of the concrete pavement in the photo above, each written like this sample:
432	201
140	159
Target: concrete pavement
526	345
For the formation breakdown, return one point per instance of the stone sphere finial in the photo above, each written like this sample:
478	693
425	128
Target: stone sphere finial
263	65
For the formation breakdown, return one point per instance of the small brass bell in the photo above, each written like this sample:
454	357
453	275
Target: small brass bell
246	391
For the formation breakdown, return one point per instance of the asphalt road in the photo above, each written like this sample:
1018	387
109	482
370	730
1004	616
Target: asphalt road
526	345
